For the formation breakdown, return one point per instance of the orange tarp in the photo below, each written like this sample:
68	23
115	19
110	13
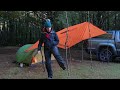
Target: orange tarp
76	34
34	46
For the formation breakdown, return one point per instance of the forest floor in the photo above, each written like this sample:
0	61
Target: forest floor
78	68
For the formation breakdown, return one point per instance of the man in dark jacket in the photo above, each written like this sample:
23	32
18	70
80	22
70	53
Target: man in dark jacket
50	40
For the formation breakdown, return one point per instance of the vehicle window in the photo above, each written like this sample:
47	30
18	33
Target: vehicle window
105	36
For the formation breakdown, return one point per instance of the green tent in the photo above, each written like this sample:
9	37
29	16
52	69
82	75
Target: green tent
24	57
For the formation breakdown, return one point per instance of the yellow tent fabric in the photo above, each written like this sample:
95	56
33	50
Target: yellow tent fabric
38	57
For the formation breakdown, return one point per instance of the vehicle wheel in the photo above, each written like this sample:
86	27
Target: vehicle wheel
105	55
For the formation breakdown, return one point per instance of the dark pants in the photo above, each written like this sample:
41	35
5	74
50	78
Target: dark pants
57	56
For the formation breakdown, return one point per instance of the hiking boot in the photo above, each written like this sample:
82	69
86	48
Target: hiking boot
63	67
49	77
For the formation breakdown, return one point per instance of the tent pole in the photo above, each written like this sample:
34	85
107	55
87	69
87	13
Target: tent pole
82	50
66	44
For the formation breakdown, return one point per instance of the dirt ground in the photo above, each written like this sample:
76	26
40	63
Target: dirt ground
10	70
7	57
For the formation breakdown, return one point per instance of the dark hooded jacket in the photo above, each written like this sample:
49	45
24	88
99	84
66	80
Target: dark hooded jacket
49	39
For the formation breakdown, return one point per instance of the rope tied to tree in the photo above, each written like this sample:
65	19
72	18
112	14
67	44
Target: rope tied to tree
90	37
66	46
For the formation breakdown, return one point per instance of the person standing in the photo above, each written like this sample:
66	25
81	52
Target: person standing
50	40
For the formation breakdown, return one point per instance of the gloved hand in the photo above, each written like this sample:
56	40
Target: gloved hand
39	52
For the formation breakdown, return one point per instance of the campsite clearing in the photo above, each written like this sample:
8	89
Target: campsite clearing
84	69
